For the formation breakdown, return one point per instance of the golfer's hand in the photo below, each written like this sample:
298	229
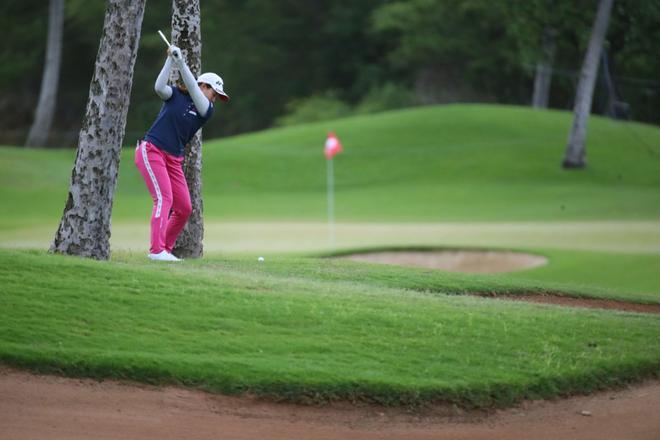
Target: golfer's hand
176	54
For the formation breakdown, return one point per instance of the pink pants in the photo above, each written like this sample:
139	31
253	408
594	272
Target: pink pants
164	177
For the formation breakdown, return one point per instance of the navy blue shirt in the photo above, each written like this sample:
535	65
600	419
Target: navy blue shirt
177	123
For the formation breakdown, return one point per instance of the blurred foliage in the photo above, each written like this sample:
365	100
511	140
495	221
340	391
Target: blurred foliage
461	46
389	96
315	108
279	58
328	105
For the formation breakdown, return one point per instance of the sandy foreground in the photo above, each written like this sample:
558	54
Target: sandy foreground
51	407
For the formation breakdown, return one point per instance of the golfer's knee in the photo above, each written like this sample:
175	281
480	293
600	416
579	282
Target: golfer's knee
184	208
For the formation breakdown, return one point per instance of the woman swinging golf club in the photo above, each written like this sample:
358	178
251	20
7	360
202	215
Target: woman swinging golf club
159	156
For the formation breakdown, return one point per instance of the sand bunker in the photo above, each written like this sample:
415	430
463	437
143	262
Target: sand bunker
467	261
484	262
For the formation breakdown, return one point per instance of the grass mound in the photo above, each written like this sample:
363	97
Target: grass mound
443	163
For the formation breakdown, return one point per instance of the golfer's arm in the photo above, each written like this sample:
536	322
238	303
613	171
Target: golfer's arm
200	101
161	87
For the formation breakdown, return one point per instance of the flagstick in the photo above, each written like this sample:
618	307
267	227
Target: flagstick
331	204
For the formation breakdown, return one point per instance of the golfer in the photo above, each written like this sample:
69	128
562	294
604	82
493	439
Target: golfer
159	156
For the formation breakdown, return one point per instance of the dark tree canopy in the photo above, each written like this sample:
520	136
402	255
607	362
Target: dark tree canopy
303	59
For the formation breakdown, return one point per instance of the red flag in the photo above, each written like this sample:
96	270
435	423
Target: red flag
332	146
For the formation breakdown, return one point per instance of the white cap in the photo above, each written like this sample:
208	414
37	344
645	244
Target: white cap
215	82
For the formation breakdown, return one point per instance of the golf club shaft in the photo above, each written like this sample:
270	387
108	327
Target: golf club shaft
164	39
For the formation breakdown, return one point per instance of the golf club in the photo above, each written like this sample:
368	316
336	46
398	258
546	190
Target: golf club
166	42
164	39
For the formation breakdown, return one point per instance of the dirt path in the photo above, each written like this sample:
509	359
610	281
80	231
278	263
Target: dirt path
589	303
55	408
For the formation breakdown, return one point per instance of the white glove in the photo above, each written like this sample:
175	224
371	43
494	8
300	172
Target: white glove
175	53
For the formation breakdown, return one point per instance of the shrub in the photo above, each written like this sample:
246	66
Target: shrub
318	107
388	96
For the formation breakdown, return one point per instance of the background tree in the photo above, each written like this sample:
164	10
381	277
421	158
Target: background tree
187	34
632	47
85	226
452	51
45	109
546	32
575	156
543	71
290	57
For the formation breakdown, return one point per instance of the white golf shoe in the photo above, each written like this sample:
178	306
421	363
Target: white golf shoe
163	256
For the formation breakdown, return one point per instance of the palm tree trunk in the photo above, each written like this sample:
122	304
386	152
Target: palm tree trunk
85	226
45	111
575	156
187	34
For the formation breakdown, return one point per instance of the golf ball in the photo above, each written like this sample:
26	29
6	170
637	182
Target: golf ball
260	259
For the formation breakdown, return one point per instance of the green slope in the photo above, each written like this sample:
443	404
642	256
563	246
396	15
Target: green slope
458	162
439	163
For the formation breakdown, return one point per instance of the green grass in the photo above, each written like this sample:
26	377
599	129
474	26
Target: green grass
302	328
626	277
445	163
436	164
316	333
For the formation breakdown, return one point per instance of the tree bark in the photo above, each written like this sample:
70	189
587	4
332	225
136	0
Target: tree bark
45	111
187	34
85	226
575	156
543	77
